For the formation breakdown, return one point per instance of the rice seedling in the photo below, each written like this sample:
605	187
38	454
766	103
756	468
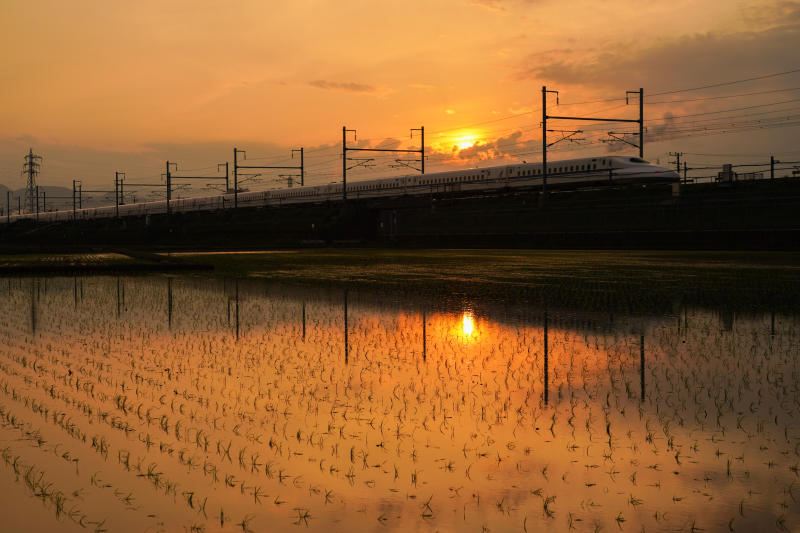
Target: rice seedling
156	403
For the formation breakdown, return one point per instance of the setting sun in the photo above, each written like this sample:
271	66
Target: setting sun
463	140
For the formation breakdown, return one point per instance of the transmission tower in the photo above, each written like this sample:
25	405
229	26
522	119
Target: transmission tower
31	170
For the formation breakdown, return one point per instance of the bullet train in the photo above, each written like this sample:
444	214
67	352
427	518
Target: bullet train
573	173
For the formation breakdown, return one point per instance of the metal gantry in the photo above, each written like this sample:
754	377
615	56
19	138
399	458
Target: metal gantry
76	190
237	166
364	162
170	177
117	191
614	135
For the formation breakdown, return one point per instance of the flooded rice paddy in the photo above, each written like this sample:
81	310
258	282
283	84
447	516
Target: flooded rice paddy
191	404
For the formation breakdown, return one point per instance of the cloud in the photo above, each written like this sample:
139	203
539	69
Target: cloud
492	5
778	14
343	86
502	148
389	144
660	131
671	64
499	5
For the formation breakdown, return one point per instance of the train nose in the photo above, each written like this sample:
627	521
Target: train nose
665	173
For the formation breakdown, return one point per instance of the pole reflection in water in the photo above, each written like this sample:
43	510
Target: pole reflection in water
424	336
641	364
169	303
228	421
34	298
546	365
346	343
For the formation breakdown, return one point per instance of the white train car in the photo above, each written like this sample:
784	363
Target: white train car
571	173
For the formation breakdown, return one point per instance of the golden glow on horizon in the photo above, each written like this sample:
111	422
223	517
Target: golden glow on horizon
463	140
474	78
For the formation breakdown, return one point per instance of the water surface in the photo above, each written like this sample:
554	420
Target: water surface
202	404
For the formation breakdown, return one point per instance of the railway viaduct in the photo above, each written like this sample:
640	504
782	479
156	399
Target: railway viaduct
743	215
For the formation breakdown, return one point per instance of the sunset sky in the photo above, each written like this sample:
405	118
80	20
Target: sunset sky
100	86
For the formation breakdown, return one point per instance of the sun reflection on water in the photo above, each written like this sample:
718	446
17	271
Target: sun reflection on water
429	403
467	324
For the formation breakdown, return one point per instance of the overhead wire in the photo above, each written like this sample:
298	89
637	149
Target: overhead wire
678	127
728	83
